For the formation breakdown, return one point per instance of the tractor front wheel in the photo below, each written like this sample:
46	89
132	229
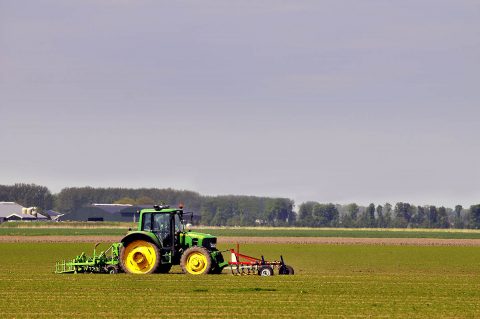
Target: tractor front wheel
139	257
196	261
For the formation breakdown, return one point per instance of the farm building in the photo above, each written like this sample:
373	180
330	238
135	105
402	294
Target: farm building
53	215
110	212
105	212
11	211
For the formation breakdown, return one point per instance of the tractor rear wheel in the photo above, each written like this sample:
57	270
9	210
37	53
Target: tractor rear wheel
196	261
139	257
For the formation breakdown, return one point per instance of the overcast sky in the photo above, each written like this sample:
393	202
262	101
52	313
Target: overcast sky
334	101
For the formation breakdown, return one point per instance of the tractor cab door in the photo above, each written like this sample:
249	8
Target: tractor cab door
162	228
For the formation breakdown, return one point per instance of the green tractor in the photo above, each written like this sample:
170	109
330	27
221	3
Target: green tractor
162	241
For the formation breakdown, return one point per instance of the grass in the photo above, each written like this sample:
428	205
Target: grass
330	281
62	231
334	232
119	229
67	224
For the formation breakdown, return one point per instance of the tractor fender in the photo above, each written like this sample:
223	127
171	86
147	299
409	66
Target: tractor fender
140	235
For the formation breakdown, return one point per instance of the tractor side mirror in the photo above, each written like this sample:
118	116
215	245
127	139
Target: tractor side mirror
188	227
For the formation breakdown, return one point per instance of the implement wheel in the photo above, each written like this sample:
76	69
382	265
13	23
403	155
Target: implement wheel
112	270
286	270
139	257
196	261
265	271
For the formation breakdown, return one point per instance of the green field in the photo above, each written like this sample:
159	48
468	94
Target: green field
62	231
330	281
120	229
332	232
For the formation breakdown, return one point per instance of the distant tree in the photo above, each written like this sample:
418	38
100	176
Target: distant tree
387	210
350	218
443	221
403	214
325	215
27	195
458	221
380	217
368	218
277	211
305	216
420	218
474	216
432	217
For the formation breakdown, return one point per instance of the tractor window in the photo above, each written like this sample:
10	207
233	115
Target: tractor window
178	224
147	222
161	225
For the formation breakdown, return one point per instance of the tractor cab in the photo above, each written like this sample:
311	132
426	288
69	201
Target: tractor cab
165	223
161	241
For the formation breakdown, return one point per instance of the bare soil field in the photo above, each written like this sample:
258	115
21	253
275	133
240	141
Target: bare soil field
262	240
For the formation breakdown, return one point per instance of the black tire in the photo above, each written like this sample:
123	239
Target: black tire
196	261
286	270
112	270
164	269
123	257
265	271
216	270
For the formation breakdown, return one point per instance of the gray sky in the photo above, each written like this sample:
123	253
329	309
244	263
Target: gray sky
336	101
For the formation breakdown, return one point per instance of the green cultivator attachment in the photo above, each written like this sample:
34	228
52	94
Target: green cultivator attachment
105	262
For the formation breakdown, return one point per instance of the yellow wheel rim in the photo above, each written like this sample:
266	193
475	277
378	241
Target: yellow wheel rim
196	263
139	257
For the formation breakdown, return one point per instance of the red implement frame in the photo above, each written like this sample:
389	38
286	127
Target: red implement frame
241	264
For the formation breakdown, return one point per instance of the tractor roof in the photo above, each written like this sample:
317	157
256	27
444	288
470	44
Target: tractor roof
162	210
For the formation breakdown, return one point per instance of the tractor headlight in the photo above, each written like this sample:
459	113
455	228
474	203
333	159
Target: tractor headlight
213	245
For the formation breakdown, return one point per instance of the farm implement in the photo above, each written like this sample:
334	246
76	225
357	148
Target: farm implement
105	262
162	241
246	265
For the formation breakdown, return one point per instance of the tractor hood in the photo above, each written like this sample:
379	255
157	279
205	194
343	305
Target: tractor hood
192	238
194	234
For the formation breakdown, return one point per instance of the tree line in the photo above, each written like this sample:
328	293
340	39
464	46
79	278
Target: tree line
232	210
213	210
27	195
401	215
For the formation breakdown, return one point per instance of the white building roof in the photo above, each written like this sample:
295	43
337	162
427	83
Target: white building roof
8	208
